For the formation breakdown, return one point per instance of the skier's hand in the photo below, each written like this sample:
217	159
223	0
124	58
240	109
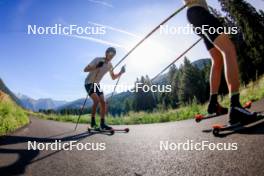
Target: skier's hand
123	70
100	64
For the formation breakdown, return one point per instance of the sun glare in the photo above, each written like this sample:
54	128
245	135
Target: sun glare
149	58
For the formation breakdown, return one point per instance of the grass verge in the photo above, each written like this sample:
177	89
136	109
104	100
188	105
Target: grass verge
253	91
12	116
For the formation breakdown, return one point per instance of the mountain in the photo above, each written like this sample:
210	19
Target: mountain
36	105
7	91
49	103
162	79
77	104
201	63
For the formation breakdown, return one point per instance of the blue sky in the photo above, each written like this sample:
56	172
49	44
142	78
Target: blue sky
50	66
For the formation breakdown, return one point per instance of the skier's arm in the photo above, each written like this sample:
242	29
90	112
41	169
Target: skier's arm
93	66
115	76
89	68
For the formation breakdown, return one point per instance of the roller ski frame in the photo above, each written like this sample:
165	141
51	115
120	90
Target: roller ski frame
200	117
126	130
219	129
99	130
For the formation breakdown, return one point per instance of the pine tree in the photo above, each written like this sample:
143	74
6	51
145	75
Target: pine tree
174	82
192	84
144	100
251	25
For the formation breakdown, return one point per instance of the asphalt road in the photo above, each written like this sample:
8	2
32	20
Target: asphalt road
136	153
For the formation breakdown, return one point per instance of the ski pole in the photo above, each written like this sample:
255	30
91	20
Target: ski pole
81	112
149	34
115	87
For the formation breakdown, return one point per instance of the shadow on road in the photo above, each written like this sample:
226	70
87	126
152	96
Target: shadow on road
61	134
26	157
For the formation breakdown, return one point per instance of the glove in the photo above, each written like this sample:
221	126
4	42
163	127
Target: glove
123	70
100	64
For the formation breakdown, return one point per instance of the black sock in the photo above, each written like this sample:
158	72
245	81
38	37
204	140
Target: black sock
93	119
102	121
213	99
235	100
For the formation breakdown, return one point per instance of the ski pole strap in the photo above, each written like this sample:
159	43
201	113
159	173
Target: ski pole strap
149	34
186	51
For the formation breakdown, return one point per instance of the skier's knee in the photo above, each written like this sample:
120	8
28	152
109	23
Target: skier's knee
217	66
95	103
228	48
103	103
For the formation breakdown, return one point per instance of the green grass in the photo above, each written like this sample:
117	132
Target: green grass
11	115
133	117
253	91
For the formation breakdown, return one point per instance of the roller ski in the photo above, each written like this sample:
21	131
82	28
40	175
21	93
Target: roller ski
213	111
99	130
240	118
218	111
102	129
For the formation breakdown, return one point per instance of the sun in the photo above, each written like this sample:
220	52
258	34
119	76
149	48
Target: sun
148	58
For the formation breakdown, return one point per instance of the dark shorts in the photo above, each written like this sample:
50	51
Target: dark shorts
93	88
199	16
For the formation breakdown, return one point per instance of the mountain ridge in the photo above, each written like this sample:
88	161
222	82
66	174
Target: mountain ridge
40	104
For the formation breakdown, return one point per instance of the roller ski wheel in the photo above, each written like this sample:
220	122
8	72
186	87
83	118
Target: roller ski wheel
112	132
199	118
248	105
217	129
126	130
